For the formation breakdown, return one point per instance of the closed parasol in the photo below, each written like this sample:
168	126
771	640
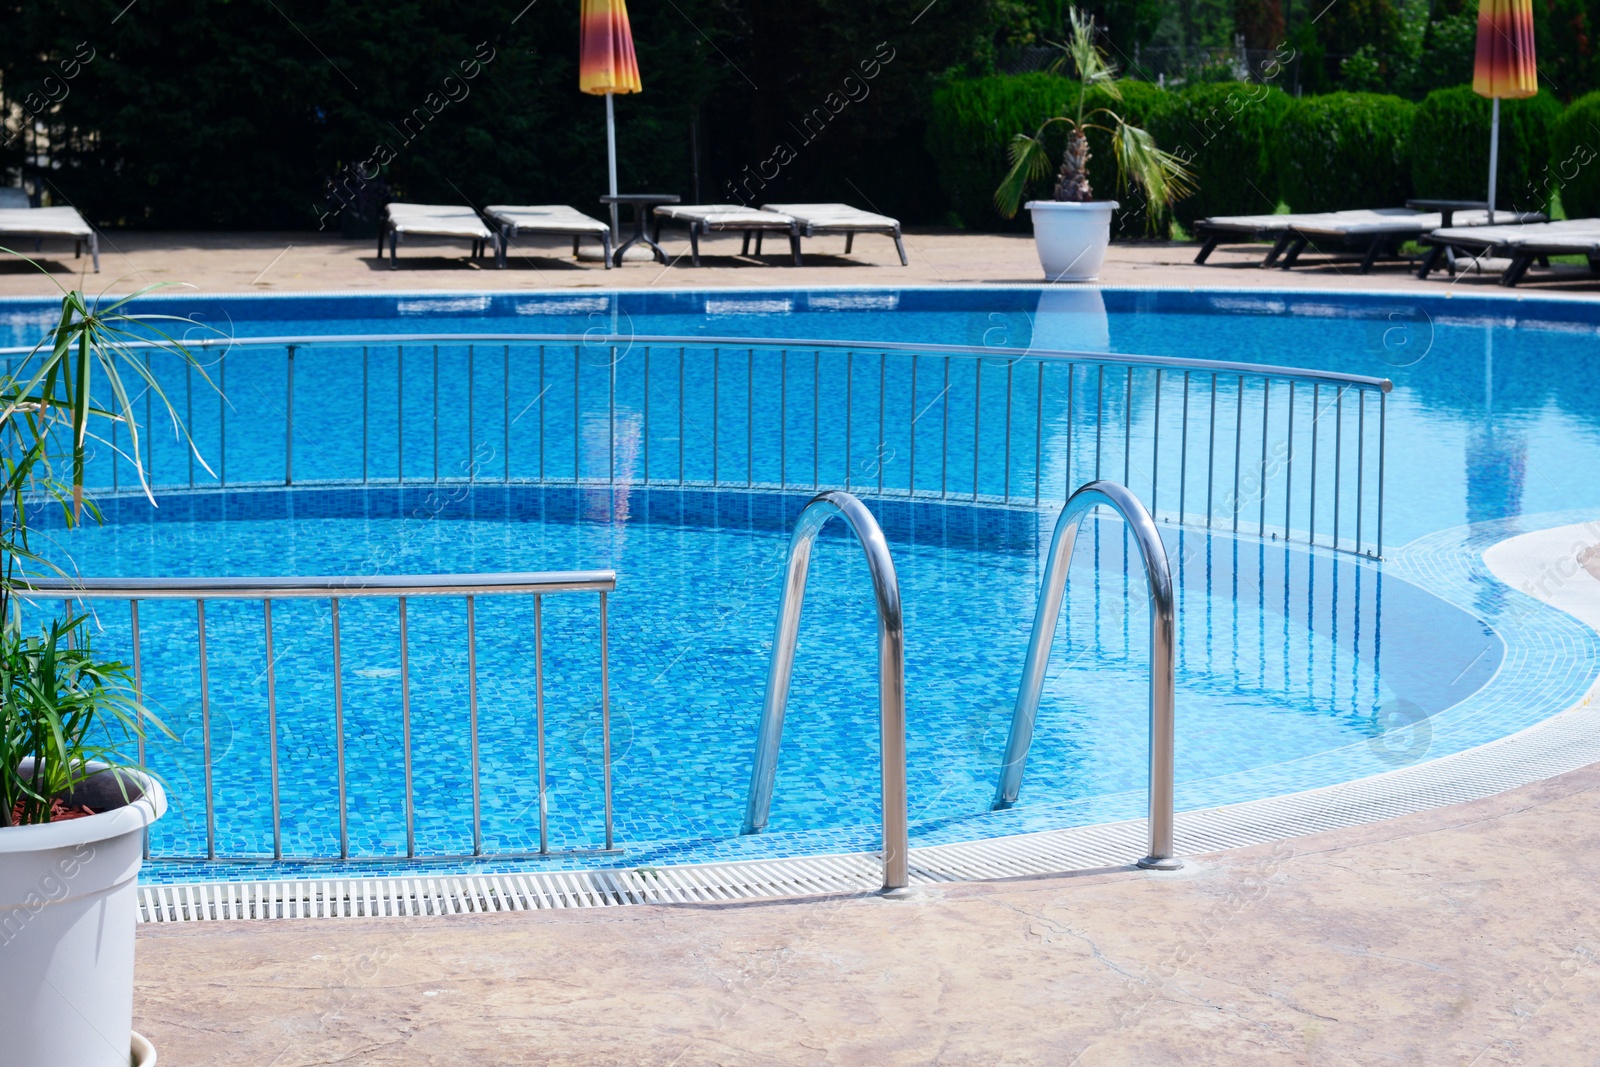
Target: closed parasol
1505	67
607	66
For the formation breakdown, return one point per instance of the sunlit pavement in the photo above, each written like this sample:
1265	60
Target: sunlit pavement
302	262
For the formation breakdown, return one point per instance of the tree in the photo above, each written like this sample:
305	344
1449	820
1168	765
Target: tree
1260	21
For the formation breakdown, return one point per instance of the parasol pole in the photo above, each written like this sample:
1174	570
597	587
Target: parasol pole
611	157
1494	155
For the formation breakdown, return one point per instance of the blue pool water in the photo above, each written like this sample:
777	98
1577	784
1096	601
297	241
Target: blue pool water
1292	663
1495	413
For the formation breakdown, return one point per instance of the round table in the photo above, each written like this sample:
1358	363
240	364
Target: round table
643	204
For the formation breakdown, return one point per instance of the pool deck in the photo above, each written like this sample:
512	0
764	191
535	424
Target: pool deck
1463	935
300	262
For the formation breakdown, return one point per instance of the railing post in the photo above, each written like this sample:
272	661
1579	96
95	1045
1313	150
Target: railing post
472	711
538	696
605	715
272	733
205	728
288	423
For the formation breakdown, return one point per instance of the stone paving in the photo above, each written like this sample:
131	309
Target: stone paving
1459	936
298	262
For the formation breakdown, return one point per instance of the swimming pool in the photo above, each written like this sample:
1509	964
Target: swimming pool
1294	657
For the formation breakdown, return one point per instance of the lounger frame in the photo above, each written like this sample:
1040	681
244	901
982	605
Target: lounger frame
387	229
509	228
749	224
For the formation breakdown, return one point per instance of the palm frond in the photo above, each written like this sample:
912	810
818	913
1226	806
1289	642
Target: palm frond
1029	162
1163	177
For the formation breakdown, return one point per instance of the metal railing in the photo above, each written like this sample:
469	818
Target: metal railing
1162	663
891	675
1278	452
334	590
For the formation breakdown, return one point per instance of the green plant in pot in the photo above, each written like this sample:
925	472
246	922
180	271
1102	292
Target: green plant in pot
74	805
1073	229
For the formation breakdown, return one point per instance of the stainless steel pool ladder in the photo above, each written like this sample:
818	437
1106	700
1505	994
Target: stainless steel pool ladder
1159	574
891	673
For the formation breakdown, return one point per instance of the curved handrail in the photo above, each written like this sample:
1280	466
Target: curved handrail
601	339
891	673
1162	683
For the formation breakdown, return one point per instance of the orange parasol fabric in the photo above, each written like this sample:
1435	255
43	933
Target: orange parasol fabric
1505	67
606	62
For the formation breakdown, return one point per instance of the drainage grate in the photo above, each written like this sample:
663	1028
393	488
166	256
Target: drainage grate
1566	742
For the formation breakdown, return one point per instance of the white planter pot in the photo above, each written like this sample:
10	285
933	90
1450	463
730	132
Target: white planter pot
67	899
1071	238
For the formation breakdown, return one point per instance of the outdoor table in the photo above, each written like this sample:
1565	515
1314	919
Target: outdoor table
1448	208
1447	211
643	204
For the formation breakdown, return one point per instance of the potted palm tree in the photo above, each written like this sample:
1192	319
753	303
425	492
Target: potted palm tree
1072	230
74	806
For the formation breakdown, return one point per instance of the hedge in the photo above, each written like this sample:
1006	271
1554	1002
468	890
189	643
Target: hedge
1574	167
1224	129
1344	150
974	120
1450	158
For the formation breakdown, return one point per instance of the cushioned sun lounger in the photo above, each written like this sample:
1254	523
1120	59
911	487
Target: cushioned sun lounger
1385	233
45	222
1523	245
706	218
817	219
434	220
1372	231
12	197
1281	227
550	219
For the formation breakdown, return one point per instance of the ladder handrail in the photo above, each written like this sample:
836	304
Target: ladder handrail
1162	680
891	674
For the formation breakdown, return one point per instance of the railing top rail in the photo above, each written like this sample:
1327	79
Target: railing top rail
324	587
603	340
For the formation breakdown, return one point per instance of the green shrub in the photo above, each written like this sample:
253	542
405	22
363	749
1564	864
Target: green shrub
974	120
1450	147
1224	130
1574	167
1344	150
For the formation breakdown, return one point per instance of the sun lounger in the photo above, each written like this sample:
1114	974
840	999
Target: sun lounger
1279	227
1523	245
548	219
1386	233
434	220
817	219
1371	231
708	218
45	222
13	198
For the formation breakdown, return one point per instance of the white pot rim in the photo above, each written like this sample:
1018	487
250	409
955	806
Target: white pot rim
91	828
1072	205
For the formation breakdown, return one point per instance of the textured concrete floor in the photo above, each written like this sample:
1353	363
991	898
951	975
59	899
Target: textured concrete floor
288	262
1465	935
